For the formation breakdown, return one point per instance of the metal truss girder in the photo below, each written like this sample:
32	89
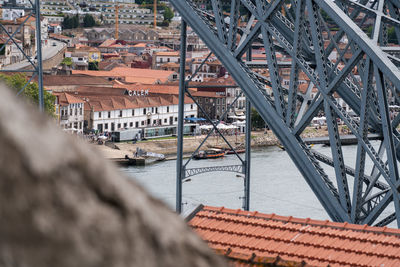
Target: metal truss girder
260	101
229	168
376	54
329	79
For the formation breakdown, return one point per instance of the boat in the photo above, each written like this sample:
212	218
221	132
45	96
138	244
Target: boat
238	151
210	154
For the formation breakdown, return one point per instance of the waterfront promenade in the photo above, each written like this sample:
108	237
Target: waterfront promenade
168	146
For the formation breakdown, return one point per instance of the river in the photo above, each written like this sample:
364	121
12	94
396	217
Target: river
276	184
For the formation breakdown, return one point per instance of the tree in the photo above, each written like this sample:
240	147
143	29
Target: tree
88	21
67	23
256	120
31	92
168	14
67	61
75	21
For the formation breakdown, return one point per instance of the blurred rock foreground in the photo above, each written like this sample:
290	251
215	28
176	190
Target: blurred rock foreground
62	205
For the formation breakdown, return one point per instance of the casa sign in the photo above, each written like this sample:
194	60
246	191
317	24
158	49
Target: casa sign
137	92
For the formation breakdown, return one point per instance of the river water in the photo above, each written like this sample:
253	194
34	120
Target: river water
276	184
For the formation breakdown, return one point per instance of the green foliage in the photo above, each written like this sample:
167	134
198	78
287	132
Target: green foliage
256	120
67	61
168	14
71	22
392	37
31	92
88	21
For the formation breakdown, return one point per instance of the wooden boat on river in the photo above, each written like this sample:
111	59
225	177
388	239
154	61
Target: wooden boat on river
210	154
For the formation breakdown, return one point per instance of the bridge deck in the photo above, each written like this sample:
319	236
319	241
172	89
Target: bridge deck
345	139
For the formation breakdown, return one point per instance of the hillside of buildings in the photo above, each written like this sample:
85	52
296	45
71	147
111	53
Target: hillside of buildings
103	84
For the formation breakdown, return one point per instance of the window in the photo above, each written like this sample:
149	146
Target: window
218	101
99	114
80	125
80	111
152	110
167	109
109	114
137	124
70	111
133	112
154	122
119	125
191	106
156	110
131	124
165	120
62	112
106	126
120	113
144	111
142	123
176	118
76	111
125	125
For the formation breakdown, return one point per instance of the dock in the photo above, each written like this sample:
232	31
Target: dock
344	139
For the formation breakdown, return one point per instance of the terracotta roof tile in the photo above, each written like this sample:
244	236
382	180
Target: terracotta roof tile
131	75
246	235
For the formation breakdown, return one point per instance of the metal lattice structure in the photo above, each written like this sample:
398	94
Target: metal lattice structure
34	62
348	51
182	168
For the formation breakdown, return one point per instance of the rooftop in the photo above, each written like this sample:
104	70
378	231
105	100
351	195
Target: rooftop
131	75
257	239
63	80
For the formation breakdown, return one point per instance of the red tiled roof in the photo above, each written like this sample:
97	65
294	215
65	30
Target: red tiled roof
170	54
107	43
251	238
130	74
66	99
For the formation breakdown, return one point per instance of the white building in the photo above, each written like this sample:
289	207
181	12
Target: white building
160	58
70	112
124	109
12	14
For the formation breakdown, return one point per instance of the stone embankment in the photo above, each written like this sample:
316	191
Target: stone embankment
168	146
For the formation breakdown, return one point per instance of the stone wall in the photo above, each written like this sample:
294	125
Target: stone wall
63	205
54	61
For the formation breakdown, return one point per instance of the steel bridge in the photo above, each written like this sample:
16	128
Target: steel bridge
348	50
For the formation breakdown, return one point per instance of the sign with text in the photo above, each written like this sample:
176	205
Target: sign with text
137	92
